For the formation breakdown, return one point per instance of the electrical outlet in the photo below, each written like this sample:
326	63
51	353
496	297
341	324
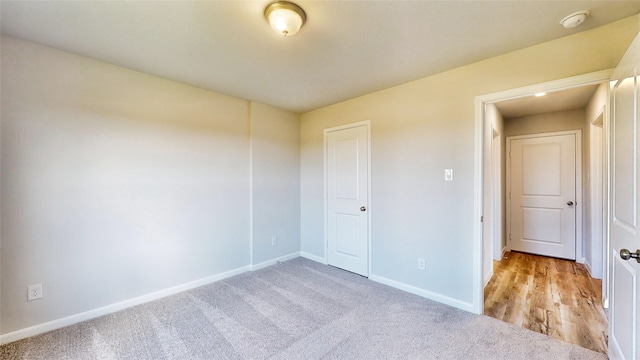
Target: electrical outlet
421	264
274	241
34	292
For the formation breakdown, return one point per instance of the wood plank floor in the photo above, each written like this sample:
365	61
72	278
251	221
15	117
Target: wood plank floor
551	296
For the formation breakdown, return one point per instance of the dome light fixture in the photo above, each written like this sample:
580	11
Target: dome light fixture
285	18
574	19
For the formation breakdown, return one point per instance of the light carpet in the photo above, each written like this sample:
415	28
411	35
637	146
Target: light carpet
295	310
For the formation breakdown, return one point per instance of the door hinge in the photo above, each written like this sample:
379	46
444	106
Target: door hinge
481	218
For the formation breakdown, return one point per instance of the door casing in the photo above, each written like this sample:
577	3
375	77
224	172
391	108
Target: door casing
597	175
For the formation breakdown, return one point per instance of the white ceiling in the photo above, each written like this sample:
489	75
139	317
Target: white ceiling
346	49
570	99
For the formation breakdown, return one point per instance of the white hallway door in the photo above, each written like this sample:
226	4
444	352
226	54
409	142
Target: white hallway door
542	193
624	217
347	186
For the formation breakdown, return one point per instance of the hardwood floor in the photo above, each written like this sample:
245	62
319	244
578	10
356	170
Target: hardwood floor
551	296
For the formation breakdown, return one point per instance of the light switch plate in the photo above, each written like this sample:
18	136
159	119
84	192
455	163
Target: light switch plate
448	174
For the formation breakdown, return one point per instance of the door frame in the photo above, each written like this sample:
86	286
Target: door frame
479	164
579	254
597	175
367	124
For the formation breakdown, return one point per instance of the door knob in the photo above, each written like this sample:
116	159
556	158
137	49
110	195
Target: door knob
362	208
570	203
626	254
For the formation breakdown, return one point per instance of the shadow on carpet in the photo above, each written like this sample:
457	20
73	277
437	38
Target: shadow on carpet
295	310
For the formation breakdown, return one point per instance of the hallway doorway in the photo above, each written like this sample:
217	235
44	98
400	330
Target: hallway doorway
534	291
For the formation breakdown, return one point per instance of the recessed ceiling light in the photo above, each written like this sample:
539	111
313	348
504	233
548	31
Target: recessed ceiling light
574	19
541	94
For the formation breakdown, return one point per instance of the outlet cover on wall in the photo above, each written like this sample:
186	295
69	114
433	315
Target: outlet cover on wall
421	264
34	292
274	241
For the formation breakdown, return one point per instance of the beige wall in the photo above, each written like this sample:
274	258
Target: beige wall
275	179
117	184
418	130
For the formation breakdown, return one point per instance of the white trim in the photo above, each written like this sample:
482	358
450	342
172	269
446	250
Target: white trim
348	126
109	309
596	191
369	207
587	265
556	85
579	253
312	257
478	207
480	101
606	199
271	262
466	306
577	132
367	124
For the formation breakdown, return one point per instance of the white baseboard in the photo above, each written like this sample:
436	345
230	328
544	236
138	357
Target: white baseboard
581	260
487	278
268	263
87	315
588	266
466	306
315	258
91	314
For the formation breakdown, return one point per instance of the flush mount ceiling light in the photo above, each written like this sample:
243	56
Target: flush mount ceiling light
285	18
574	19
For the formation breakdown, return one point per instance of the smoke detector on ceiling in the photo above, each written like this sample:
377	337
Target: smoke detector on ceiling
574	19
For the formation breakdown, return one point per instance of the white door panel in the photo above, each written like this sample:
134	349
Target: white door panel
622	324
347	159
624	162
542	181
623	220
